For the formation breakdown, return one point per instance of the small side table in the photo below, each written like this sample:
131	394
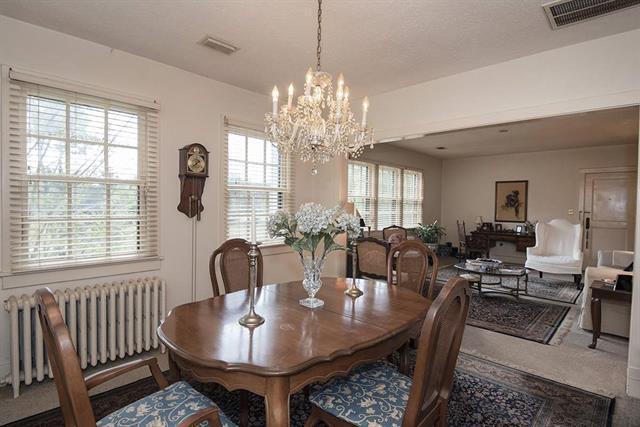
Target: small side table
601	290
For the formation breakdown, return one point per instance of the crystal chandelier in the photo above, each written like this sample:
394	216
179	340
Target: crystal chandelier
321	124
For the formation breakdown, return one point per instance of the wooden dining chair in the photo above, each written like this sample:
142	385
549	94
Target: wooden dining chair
408	266
378	394
393	229
468	245
177	404
372	256
234	266
234	271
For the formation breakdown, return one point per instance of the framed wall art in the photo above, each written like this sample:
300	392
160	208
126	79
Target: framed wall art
511	202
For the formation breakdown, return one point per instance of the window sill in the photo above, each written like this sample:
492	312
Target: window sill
78	272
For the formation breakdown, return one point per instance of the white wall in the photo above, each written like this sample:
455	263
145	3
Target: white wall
191	111
592	75
431	167
468	184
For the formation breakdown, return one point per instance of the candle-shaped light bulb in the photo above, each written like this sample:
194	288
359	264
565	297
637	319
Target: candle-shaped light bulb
365	108
274	95
290	100
317	93
346	94
340	80
307	82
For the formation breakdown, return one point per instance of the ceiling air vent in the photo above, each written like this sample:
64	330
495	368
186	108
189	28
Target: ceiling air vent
567	12
220	45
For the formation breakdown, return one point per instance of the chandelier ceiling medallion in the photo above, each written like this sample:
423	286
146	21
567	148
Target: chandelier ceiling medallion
321	124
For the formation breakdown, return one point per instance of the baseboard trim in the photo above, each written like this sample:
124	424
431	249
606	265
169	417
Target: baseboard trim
633	381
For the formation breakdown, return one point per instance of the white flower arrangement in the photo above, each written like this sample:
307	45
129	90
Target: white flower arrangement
312	224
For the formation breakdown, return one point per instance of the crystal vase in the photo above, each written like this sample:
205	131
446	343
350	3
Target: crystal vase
311	282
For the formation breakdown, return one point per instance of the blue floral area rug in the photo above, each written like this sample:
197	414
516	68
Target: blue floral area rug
527	318
484	394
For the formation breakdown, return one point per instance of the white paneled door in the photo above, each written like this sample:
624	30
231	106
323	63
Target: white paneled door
609	212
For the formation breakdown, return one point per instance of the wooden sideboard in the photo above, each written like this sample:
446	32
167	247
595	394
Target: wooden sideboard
488	239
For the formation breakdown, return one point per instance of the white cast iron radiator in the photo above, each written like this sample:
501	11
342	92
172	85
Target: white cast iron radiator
106	322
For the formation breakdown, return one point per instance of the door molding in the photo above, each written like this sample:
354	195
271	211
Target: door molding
609	169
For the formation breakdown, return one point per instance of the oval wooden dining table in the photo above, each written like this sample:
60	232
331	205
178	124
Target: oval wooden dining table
295	346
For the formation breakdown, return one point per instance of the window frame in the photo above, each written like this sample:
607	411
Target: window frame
87	267
375	226
286	187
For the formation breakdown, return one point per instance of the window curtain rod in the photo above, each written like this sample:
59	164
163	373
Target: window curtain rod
85	89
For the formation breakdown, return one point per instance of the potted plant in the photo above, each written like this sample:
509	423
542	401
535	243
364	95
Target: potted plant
311	232
431	233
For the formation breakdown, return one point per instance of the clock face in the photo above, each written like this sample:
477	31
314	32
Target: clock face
196	163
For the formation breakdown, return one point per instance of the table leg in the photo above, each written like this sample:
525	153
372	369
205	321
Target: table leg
595	320
518	288
174	370
244	408
276	401
404	359
526	284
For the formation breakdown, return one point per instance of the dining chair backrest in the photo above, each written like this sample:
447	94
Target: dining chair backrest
234	266
393	229
410	262
72	390
372	258
437	355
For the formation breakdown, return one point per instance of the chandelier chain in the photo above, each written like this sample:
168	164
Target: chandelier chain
319	48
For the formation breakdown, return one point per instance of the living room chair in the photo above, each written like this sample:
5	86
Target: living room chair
468	246
394	229
557	250
177	404
234	266
408	267
378	394
372	256
616	316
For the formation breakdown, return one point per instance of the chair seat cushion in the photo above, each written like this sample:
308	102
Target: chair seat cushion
167	407
373	395
559	264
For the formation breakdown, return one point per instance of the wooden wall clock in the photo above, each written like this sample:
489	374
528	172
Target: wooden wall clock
193	171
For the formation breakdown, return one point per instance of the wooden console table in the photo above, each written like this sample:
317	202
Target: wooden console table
601	290
488	239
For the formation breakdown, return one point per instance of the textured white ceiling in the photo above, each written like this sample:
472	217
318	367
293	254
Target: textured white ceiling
379	45
598	128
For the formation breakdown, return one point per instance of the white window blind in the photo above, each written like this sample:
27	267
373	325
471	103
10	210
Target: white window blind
83	179
385	195
259	181
411	198
389	201
361	189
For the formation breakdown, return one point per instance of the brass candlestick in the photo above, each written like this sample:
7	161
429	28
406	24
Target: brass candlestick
252	318
353	290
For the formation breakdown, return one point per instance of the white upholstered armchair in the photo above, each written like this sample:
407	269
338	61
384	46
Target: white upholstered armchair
615	315
557	250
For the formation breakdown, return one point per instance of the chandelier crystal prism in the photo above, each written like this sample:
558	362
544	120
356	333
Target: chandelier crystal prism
320	125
